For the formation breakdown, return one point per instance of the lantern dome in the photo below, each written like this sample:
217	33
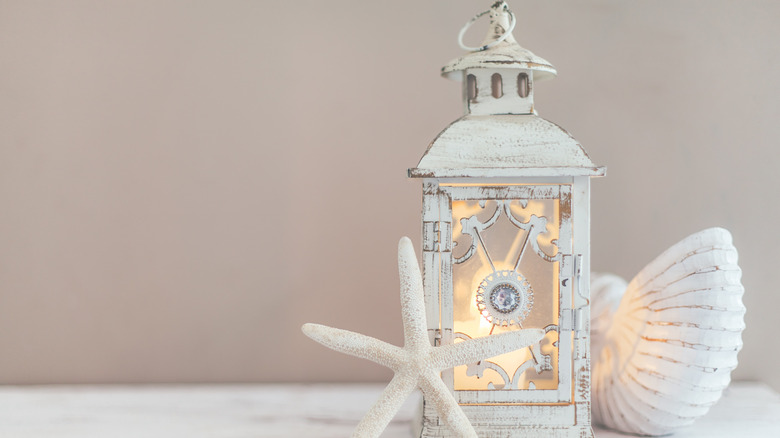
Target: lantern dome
501	134
504	146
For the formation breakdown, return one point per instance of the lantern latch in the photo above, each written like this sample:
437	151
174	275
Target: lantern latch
575	319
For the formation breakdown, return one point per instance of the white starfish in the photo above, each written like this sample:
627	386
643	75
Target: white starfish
417	364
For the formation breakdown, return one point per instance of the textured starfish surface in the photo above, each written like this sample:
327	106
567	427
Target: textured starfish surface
417	364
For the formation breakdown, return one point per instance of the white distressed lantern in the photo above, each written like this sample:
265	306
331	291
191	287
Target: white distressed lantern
506	228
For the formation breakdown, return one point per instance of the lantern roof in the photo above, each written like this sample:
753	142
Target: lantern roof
504	146
499	49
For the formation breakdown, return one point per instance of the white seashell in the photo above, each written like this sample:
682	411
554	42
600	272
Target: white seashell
664	355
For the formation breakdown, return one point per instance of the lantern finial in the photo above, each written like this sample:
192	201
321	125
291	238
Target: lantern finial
502	22
499	49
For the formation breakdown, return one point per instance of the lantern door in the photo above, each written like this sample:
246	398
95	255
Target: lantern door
505	262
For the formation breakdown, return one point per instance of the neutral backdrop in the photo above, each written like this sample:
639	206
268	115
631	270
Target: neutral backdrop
184	183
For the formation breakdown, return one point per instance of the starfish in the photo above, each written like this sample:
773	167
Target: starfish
417	364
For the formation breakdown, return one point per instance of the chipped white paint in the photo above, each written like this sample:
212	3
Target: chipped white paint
505	146
510	102
417	364
502	158
504	54
499	38
499	57
665	355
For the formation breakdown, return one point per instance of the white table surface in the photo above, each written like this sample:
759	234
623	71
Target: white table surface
244	411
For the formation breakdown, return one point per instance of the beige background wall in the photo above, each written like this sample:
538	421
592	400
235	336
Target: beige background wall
182	184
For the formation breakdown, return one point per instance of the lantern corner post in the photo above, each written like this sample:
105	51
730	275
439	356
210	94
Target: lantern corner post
436	253
581	300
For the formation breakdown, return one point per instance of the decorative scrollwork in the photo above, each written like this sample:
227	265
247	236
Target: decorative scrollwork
535	227
471	226
478	368
539	362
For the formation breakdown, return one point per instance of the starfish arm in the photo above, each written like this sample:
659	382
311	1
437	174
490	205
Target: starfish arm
437	393
355	344
379	416
473	350
412	299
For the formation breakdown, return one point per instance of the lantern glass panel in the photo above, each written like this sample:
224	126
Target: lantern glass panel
505	277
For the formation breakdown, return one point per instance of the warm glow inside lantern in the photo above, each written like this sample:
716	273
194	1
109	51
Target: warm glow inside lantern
506	246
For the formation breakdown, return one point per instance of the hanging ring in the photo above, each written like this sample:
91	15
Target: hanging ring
506	34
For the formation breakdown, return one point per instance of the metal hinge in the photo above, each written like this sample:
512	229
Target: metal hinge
430	236
440	236
573	319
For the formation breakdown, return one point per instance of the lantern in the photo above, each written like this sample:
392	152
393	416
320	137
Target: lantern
505	227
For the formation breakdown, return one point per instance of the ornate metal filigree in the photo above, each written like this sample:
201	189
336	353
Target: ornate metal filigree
539	362
534	228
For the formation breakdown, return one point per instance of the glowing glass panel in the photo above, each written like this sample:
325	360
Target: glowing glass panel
505	276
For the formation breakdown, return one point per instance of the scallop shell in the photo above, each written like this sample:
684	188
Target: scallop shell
664	355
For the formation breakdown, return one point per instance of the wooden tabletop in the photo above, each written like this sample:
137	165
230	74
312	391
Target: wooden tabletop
244	411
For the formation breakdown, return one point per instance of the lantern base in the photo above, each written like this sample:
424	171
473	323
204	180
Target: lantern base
518	432
497	421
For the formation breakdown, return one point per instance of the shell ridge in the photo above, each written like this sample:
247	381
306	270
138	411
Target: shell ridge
670	344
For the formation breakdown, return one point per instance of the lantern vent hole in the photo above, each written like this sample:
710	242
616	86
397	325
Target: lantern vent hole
497	85
523	86
471	88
